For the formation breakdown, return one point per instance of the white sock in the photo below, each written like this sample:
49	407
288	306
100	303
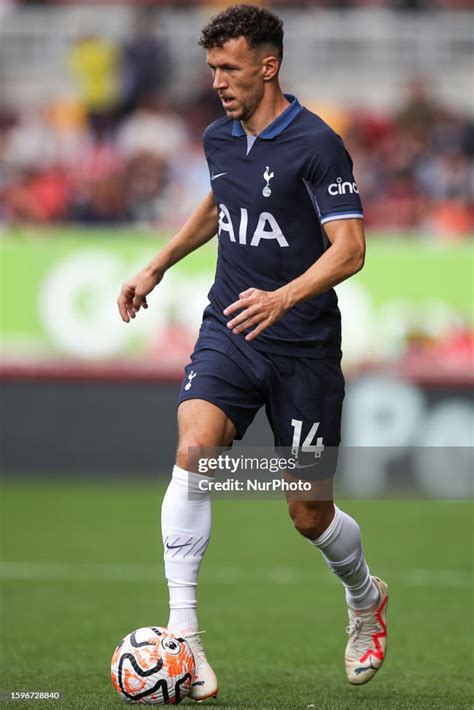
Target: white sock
341	547
185	528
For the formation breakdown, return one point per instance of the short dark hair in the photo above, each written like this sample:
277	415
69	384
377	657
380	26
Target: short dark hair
257	25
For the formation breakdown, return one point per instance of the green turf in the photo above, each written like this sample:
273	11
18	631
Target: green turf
89	571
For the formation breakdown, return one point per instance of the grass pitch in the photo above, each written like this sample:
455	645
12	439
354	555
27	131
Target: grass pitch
82	567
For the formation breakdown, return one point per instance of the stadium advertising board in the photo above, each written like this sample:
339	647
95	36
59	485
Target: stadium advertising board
65	286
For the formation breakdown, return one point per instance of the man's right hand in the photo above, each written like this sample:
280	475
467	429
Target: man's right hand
199	228
134	292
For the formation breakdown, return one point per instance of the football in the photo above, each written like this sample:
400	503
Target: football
152	666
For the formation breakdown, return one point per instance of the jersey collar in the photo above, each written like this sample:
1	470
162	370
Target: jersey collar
278	125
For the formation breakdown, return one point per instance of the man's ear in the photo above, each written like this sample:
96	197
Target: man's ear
270	67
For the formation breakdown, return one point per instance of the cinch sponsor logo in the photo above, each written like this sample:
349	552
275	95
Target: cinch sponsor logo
340	188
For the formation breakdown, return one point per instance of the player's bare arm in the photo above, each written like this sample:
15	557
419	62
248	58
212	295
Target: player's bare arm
344	258
197	230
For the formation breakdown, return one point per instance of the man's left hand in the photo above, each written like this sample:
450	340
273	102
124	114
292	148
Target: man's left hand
260	308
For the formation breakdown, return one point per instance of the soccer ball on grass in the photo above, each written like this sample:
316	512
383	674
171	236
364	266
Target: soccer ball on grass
152	666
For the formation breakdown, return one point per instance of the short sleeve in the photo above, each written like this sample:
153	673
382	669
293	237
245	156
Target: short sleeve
331	182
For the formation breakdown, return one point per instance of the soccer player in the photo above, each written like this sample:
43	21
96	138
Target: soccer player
289	222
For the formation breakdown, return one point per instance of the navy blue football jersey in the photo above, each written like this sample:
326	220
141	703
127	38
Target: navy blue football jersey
274	194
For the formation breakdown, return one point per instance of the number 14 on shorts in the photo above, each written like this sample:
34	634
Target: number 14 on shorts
311	443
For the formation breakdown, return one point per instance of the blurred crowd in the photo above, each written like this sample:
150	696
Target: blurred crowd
122	152
333	4
415	168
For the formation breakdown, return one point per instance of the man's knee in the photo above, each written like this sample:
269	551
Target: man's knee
191	447
311	518
203	427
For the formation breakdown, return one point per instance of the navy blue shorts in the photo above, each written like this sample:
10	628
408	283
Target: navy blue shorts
302	396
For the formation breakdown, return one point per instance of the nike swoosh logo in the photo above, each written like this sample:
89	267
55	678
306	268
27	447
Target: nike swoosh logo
361	669
174	547
214	177
305	465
